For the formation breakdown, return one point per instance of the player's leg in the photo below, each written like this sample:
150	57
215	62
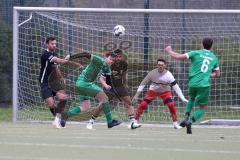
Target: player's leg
96	112
93	90
202	99
47	95
150	96
62	97
123	94
83	105
50	103
98	109
130	110
168	100
129	106
192	94
105	106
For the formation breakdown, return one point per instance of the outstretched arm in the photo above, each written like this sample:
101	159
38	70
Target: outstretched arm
179	91
145	81
174	54
59	60
81	55
65	61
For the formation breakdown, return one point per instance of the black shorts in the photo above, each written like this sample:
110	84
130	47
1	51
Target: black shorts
117	92
46	91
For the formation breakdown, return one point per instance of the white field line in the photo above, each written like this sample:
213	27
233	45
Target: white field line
34	158
221	139
117	147
155	125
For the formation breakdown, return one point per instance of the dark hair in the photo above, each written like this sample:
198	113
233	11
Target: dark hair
110	54
162	60
207	43
50	39
118	51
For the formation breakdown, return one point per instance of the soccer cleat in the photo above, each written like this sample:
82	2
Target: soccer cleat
176	125
57	122
183	123
90	124
63	120
135	124
114	123
189	127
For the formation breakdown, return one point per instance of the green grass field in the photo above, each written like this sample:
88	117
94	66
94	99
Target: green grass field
31	141
5	114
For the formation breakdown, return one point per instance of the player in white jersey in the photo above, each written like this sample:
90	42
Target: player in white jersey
161	81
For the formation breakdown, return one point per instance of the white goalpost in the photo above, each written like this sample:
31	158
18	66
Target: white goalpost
148	32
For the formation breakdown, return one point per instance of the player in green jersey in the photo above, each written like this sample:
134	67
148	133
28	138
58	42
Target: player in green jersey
86	86
204	65
115	85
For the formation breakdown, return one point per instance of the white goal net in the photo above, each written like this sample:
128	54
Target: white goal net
148	32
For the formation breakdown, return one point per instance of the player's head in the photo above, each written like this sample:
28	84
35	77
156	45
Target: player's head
109	58
119	54
161	64
51	43
207	43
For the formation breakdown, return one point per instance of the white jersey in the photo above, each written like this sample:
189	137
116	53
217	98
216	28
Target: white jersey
159	82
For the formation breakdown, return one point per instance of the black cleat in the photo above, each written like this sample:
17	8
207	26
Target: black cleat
183	123
64	118
114	123
189	127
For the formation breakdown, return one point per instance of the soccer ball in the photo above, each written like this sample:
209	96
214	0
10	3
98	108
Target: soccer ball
118	30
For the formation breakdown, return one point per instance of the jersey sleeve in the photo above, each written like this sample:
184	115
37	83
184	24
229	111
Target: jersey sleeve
48	57
170	78
190	54
106	71
216	66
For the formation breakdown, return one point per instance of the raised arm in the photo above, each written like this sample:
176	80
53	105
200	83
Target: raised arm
174	54
144	82
81	55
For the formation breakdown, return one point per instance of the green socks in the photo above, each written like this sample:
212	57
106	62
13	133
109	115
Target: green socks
189	106
197	115
107	112
73	111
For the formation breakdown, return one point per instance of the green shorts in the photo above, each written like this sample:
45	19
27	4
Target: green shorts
200	95
88	89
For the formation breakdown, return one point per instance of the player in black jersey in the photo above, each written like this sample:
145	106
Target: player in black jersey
115	85
49	61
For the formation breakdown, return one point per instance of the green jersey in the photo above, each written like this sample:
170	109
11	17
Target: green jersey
91	72
203	62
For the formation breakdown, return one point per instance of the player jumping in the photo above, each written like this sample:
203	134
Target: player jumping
86	87
116	86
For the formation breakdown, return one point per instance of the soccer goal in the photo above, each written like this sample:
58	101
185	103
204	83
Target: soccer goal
148	32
